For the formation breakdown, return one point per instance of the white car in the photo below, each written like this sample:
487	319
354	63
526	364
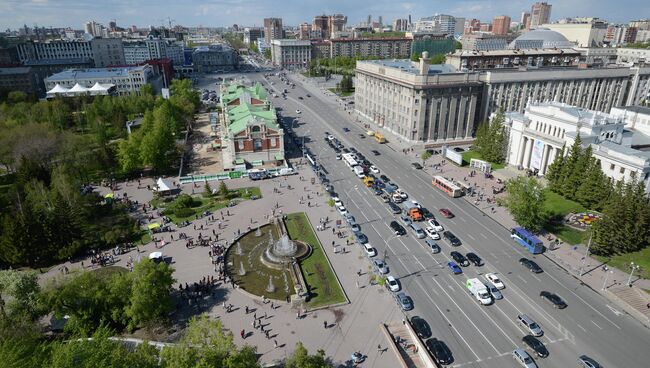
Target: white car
370	251
338	157
337	202
432	233
298	111
494	280
402	194
415	203
496	294
342	210
392	283
435	225
374	169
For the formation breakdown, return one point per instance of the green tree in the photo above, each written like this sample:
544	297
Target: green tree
207	190
438	59
595	187
150	299
607	234
301	359
554	171
576	177
253	47
567	171
128	153
458	45
425	156
525	201
23	291
267	54
223	189
415	57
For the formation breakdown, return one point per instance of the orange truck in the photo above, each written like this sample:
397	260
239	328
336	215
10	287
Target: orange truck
413	211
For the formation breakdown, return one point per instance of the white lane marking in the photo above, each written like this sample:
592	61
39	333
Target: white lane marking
485	237
522	279
471	237
614	310
582	328
595	324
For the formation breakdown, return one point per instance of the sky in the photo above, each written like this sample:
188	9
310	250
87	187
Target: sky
215	13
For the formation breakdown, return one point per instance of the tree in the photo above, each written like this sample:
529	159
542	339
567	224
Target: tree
595	187
567	170
23	290
415	57
223	189
207	190
425	156
577	175
491	139
267	54
554	171
301	359
458	45
150	299
438	59
525	201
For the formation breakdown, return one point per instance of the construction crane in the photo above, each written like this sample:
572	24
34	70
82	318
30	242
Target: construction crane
168	20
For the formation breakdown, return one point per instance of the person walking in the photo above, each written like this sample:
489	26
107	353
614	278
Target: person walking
243	334
379	349
325	324
275	343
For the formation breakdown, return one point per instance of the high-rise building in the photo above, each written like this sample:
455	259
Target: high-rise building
525	20
400	25
304	31
486	27
501	24
251	34
272	29
336	22
321	24
540	14
473	25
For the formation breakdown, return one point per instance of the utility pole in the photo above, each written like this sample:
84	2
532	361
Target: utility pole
582	265
633	268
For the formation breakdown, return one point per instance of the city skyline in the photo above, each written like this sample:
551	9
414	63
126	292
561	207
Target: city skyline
68	13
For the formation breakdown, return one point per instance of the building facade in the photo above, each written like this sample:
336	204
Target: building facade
18	79
636	118
401	25
127	80
251	34
536	137
533	58
540	13
103	51
273	29
215	58
501	24
584	33
367	47
483	42
291	53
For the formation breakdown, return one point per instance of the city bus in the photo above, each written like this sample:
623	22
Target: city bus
527	240
447	186
349	160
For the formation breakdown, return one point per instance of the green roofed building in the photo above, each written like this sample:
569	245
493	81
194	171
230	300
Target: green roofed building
250	131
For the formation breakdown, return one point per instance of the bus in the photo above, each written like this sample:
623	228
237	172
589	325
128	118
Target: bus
527	240
447	186
349	160
310	159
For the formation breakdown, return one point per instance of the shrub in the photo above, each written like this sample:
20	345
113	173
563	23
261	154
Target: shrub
184	212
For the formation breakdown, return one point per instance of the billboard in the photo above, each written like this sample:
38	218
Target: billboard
452	155
536	157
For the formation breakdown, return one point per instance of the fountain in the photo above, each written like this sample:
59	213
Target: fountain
242	270
258	232
270	288
238	250
279	254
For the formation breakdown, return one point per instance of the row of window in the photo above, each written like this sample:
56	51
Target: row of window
549	129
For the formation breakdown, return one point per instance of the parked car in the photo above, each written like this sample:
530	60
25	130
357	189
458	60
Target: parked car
350	219
342	210
531	265
496	294
434	224
361	237
454	268
416	166
392	284
298	111
375	152
397	228
355	228
587	362
380	266
421	327
523	358
494	279
475	259
459	258
370	251
451	238
432	233
404	301
439	351
384	178
374	169
446	212
435	248
535	345
394	208
406	220
553	299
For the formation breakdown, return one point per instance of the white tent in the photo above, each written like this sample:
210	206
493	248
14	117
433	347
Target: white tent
57	89
100	89
162	186
77	88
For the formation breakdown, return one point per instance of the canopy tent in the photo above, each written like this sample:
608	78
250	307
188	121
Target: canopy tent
77	88
155	255
57	89
100	89
109	195
162	186
155	225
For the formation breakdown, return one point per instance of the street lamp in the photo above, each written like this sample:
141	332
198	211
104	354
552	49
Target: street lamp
582	265
633	267
607	273
386	247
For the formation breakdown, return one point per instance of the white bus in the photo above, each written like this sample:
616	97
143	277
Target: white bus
349	160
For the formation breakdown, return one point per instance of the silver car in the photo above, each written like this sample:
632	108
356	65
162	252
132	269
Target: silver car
494	291
521	356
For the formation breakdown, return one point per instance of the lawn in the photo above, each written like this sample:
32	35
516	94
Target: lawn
319	276
622	262
468	155
342	94
557	207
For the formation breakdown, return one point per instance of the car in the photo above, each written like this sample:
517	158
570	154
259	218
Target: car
385	198
384	178
531	265
380	183
350	219
432	233
394	208
459	149
451	238
361	237
416	166
535	345
362	136
435	248
553	299
377	190
298	111
493	278
337	201
397	228
459	258
355	228
494	291
339	157
380	266
587	362
474	258
446	212
523	358
402	194
392	284
357	358
370	251
421	327
454	268
375	152
345	150
308	95
435	225
300	97
342	210
406	220
404	301
439	351
427	215
530	325
346	129
374	169
337	150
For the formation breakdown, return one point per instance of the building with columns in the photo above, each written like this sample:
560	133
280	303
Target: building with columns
537	135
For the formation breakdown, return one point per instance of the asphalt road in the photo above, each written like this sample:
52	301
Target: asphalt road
478	336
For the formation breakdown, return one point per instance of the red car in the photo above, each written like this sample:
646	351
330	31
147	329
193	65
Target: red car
445	212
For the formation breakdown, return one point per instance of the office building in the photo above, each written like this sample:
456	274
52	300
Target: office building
336	23
251	34
473	25
371	47
583	32
486	27
250	131
103	51
127	80
321	24
273	29
524	23
304	32
153	48
424	103
18	79
215	58
540	14
443	23
501	25
536	137
619	35
400	25
291	54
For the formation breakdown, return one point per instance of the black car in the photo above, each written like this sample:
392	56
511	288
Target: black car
308	95
397	228
421	327
346	150
451	238
384	178
337	150
459	258
531	265
416	166
365	162
300	97
475	259
553	299
427	214
536	345
394	208
361	237
375	152
439	351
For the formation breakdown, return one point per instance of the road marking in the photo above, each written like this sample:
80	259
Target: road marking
614	310
470	236
596	325
522	279
582	328
484	237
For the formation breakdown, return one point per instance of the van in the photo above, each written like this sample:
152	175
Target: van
419	233
530	325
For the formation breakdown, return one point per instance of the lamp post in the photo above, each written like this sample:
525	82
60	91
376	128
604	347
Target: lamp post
582	265
607	273
633	267
386	247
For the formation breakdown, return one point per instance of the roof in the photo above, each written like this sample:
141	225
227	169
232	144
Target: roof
74	74
240	116
637	109
408	66
624	149
162	185
518	52
71	61
233	91
548	39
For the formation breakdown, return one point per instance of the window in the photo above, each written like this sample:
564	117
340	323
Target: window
622	171
612	166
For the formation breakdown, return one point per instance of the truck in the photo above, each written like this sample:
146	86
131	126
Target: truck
358	171
369	181
479	291
413	211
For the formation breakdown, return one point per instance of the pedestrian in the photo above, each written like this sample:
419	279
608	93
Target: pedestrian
255	316
272	305
359	273
246	309
275	343
325	324
379	348
264	315
298	315
243	334
266	333
357	284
